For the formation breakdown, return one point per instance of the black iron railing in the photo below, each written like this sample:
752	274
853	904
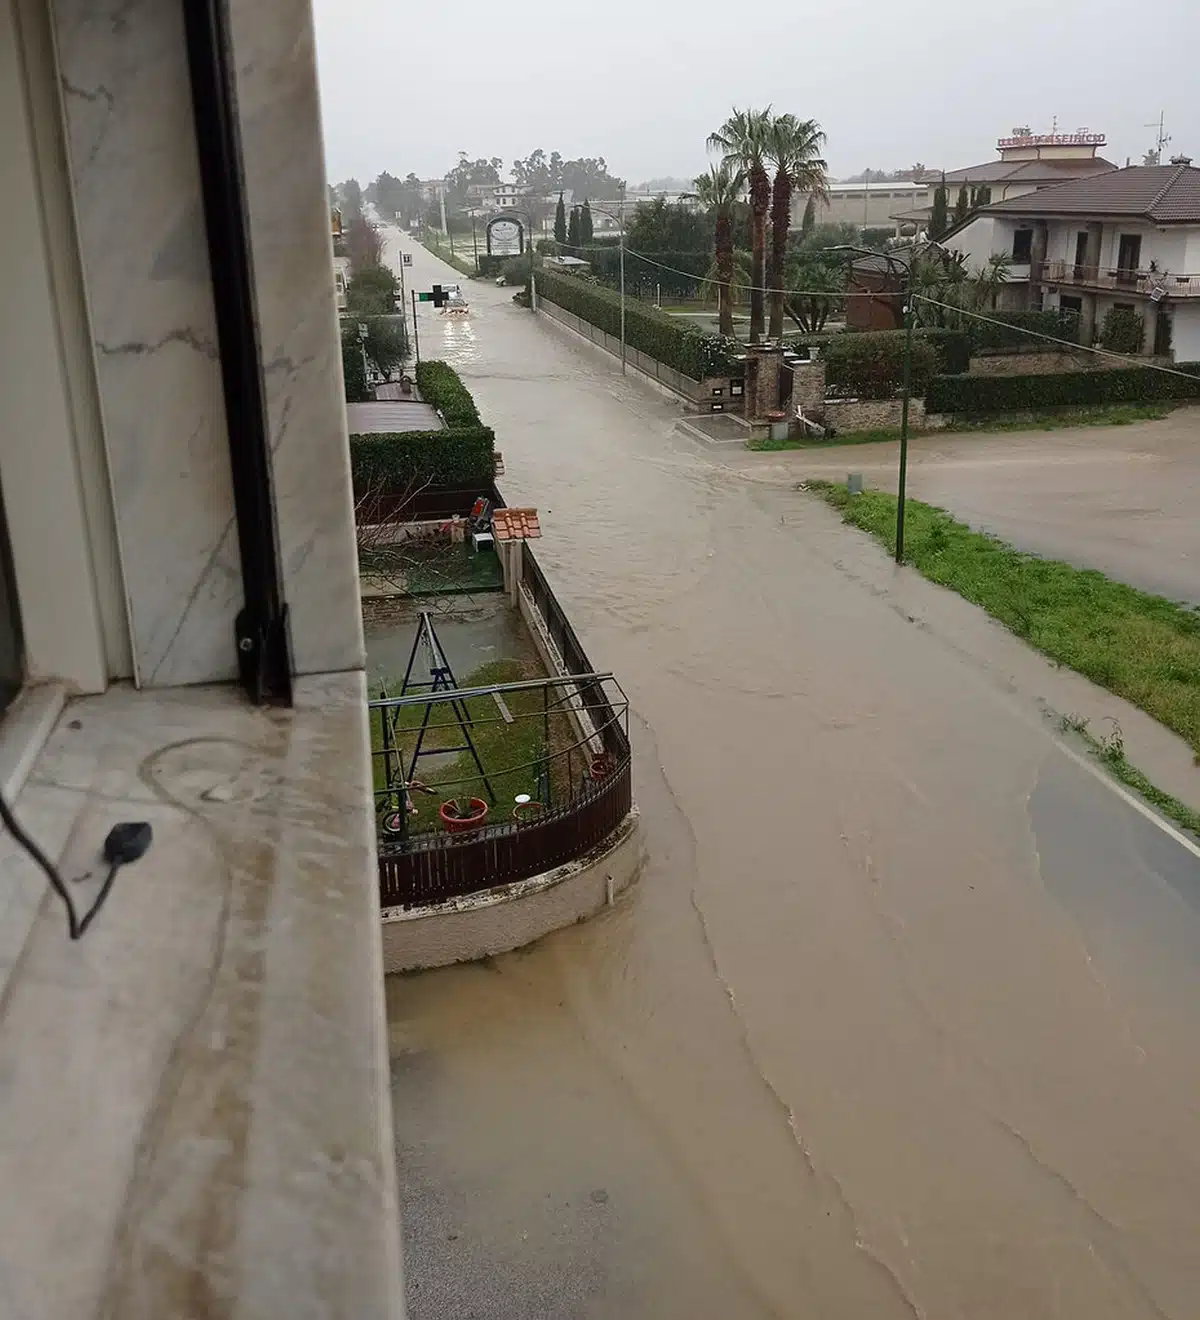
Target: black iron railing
587	773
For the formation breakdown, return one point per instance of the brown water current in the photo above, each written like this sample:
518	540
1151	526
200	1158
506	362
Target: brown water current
900	1019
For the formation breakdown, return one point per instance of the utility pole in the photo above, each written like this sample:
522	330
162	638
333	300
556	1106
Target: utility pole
909	317
416	332
621	222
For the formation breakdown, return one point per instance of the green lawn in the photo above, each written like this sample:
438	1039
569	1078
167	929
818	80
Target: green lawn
510	753
464	265
1142	647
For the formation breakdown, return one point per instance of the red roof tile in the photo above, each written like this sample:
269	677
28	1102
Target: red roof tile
515	524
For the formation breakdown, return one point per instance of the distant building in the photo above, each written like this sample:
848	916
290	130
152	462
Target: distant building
871	204
1027	162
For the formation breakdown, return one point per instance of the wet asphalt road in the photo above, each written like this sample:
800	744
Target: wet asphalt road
900	1019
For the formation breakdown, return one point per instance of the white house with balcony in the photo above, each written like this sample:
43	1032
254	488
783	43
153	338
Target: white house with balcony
1127	239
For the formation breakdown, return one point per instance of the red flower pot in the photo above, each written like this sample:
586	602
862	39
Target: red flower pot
456	824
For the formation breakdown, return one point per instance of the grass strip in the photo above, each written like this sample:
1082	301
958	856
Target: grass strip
1110	751
450	258
1139	646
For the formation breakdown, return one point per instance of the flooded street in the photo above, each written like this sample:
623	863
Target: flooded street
900	1019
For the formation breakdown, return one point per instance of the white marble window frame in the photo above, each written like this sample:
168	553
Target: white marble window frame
53	467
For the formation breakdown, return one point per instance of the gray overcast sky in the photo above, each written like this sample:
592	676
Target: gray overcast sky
642	82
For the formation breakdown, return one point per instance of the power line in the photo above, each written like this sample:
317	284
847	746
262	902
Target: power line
1051	339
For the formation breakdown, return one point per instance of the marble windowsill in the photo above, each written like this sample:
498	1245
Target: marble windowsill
194	1112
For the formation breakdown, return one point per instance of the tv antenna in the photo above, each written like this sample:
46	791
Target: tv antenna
1155	157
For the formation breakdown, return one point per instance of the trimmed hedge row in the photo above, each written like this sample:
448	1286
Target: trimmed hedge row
1056	322
441	386
461	455
871	366
660	336
952	348
996	394
394	461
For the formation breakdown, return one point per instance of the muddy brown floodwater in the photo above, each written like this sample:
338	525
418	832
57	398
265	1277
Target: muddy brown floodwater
900	1019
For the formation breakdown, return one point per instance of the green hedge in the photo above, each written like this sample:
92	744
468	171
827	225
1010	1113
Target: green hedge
683	278
997	394
665	338
1015	330
396	460
441	386
952	348
461	455
871	366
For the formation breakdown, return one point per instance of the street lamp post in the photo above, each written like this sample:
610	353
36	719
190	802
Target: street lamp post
906	386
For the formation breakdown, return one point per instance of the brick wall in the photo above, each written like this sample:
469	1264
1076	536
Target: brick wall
847	416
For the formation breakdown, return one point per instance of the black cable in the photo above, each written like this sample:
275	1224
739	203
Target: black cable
126	842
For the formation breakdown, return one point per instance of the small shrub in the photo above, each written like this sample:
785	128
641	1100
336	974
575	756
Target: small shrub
1123	331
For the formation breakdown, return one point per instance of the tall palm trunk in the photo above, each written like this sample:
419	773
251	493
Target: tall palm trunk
724	255
760	203
781	223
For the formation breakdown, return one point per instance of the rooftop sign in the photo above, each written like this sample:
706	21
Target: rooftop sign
1054	140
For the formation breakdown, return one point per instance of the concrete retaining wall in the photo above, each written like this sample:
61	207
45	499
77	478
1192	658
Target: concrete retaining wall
482	925
689	390
849	415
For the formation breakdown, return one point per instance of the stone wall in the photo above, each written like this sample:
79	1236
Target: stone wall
1036	364
808	388
847	416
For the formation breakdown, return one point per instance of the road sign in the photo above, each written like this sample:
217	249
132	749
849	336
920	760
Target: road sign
439	296
406	258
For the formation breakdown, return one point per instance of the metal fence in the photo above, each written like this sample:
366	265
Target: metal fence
429	868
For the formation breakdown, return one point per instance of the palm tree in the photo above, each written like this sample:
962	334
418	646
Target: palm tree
793	148
718	192
743	141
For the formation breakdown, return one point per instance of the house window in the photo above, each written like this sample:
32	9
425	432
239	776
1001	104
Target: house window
1022	250
1129	254
1067	304
11	650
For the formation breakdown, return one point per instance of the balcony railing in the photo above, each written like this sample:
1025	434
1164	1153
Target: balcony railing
1120	280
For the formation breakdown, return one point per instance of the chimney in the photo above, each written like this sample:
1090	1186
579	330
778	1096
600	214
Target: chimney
1181	160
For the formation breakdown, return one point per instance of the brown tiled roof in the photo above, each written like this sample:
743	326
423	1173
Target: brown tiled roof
515	524
1162	194
1029	171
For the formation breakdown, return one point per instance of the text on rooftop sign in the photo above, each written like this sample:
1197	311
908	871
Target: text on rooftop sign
1054	140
